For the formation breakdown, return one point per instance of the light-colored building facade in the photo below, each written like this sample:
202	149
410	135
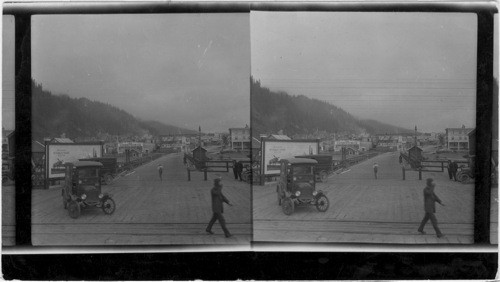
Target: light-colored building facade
240	138
458	138
353	144
123	146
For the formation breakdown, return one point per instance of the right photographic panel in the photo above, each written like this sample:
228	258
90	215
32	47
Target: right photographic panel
363	127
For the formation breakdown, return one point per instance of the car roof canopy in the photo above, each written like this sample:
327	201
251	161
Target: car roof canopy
299	161
87	164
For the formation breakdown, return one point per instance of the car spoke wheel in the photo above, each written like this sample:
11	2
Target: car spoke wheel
108	179
322	203
108	206
287	206
74	209
324	176
464	178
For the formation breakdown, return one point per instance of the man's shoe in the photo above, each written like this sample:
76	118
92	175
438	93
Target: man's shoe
422	232
440	235
228	235
209	232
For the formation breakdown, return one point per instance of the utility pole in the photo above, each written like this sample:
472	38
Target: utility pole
415	135
199	135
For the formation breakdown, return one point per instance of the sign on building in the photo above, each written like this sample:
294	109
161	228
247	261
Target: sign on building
57	155
275	150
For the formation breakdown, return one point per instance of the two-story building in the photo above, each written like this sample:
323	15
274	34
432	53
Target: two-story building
240	138
458	138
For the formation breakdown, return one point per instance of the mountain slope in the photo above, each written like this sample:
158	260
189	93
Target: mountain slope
274	111
53	115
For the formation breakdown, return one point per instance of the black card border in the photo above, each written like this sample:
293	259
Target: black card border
251	261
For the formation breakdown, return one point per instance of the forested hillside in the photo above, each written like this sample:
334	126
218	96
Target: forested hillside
274	111
53	115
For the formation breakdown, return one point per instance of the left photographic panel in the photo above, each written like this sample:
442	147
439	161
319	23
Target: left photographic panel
8	126
141	127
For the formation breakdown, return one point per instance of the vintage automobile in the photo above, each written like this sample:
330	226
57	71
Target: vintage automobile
297	186
7	170
82	188
324	167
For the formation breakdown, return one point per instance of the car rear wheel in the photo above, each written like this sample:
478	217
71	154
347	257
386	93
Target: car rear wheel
108	206
322	203
323	176
287	206
108	179
74	209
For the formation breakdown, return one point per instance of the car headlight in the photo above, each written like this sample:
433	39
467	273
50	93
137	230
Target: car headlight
84	196
297	193
100	196
315	193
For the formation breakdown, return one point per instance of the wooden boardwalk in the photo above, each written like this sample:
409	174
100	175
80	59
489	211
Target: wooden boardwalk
8	215
367	210
149	211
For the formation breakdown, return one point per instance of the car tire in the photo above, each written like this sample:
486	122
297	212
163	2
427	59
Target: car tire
288	206
463	178
323	175
322	203
108	179
74	209
108	206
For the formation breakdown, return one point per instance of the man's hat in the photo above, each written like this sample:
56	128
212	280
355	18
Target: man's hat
429	180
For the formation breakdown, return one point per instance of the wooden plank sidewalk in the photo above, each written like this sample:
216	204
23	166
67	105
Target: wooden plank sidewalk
367	210
8	215
145	202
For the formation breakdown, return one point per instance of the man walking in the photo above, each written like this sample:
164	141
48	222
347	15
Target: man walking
218	200
452	169
430	208
235	170
239	170
375	169
160	170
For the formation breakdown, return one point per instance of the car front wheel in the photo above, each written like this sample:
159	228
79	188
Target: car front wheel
464	178
322	203
287	206
108	206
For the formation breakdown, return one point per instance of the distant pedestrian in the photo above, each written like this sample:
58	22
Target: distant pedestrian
455	170
430	208
239	170
452	170
160	171
375	169
400	159
218	200
235	170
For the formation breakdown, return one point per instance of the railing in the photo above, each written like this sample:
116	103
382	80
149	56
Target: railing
138	162
430	165
212	165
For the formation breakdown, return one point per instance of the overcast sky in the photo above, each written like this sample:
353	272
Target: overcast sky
404	69
180	69
8	65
